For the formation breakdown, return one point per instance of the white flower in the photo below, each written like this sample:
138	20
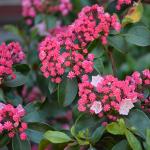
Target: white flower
1	106
96	79
125	106
96	107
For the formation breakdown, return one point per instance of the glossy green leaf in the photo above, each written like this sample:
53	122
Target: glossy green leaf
118	42
22	68
98	65
148	139
57	137
4	140
13	29
18	144
116	128
34	136
122	144
67	91
138	35
39	126
97	134
2	96
43	144
133	141
140	128
18	81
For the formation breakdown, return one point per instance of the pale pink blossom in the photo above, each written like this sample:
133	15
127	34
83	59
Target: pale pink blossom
125	106
96	79
96	107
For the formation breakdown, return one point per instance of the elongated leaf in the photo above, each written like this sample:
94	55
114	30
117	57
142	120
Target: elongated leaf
4	139
57	137
118	42
13	29
43	144
148	139
18	81
22	68
138	35
140	128
133	141
115	128
39	126
98	133
122	144
98	65
67	91
18	144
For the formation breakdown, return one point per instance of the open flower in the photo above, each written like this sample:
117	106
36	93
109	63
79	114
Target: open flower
96	107
125	106
96	79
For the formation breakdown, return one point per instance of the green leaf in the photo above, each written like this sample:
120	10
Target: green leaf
57	137
122	144
50	21
84	129
115	128
39	18
92	45
138	35
97	134
67	91
2	96
133	141
36	130
39	126
34	136
13	29
18	81
98	65
4	140
136	116
43	144
118	42
22	68
52	87
18	144
34	116
148	139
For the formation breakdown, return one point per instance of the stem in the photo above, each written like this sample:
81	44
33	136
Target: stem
113	64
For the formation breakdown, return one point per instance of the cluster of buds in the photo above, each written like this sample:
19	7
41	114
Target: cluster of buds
11	121
67	52
10	54
110	97
30	8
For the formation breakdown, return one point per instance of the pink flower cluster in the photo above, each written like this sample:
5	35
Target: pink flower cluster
110	97
30	8
121	2
9	55
10	121
67	52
